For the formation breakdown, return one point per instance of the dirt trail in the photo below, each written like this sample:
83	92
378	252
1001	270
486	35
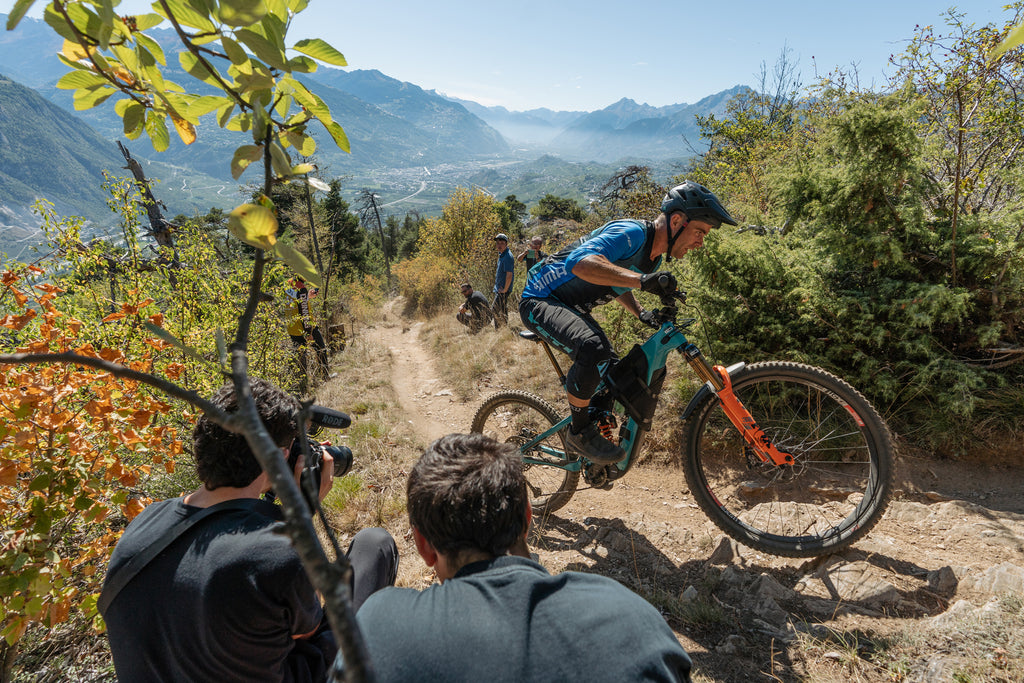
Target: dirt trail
954	532
428	404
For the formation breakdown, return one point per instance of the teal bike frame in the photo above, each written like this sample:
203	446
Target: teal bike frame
717	379
656	348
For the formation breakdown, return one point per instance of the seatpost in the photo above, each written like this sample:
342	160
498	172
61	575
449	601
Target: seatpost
554	361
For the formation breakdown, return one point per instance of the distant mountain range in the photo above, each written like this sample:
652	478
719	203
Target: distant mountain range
49	150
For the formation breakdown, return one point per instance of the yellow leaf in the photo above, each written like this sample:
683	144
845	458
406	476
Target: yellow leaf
186	131
73	51
255	225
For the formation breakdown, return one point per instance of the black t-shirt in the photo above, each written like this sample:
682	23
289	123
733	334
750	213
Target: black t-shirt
221	603
508	620
477	303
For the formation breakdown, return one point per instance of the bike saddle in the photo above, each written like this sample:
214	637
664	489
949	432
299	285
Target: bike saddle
530	336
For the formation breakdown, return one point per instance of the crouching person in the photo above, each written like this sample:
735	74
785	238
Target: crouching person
497	615
474	312
227	598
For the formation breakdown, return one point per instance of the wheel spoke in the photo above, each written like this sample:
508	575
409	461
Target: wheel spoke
519	418
838	484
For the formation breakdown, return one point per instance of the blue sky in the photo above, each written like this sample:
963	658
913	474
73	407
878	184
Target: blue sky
585	55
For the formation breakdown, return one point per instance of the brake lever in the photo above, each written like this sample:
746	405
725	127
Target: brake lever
670	299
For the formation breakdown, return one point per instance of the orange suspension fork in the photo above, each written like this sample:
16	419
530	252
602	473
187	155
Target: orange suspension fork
744	422
719	378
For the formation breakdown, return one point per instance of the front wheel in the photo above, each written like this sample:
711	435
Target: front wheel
835	491
517	417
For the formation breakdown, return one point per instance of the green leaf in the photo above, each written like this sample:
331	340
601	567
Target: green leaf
156	127
254	224
144	22
243	157
170	339
187	15
283	105
297	6
266	51
242	122
303	144
279	160
55	21
1015	38
17	12
320	49
242	12
300	169
204	105
302	65
87	98
81	79
234	51
338	135
298	91
151	46
224	114
197	68
278	8
299	263
39	483
133	115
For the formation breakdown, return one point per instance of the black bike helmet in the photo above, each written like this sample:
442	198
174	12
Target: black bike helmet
697	202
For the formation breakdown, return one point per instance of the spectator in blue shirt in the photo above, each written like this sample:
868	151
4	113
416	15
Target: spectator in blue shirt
503	277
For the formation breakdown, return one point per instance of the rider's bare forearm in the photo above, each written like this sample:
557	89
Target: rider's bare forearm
629	302
600	271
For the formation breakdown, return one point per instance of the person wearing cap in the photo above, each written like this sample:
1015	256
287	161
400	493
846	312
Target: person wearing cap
604	265
503	277
532	254
474	312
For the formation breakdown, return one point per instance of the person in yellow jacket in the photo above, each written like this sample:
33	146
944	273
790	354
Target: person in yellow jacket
300	329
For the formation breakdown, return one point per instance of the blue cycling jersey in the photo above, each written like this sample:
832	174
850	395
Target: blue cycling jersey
626	243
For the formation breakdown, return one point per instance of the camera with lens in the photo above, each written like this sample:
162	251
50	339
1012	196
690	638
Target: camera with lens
312	468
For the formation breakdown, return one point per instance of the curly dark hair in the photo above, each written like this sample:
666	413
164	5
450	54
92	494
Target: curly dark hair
223	458
468	492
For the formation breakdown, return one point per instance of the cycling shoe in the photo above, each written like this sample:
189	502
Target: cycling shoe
591	445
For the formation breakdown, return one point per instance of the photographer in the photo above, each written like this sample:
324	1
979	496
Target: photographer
227	598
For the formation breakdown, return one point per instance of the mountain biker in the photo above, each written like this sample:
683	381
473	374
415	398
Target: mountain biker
604	265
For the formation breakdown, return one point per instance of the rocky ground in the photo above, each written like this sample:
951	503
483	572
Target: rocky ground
926	596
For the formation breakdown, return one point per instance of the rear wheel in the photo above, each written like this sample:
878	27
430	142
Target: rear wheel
517	417
835	491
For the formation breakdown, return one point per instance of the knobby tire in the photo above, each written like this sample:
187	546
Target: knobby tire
516	417
841	480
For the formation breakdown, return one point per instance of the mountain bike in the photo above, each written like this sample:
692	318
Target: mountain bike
786	458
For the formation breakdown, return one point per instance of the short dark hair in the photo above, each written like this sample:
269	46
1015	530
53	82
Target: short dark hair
223	458
465	285
468	492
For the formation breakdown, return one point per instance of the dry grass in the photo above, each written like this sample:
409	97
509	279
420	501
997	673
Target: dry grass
373	492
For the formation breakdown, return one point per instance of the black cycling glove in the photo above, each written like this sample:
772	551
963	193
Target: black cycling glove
662	283
647	318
